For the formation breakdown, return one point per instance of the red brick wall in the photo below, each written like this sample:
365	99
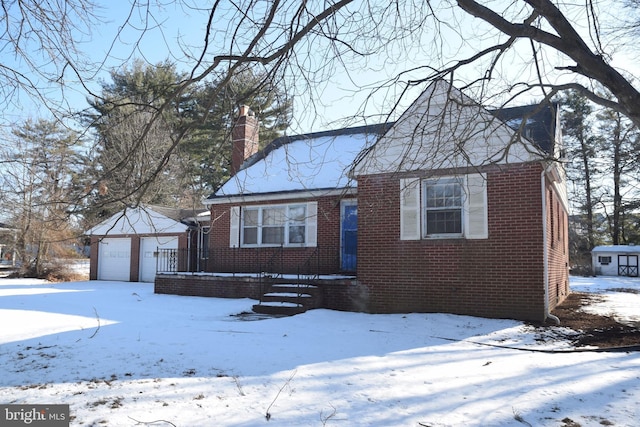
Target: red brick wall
502	276
207	286
134	271
93	258
289	258
557	247
336	294
244	140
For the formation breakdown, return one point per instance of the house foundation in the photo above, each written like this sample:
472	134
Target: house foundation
336	292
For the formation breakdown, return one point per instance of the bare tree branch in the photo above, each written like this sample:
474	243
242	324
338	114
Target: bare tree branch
568	42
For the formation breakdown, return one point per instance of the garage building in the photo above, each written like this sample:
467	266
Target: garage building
125	247
615	260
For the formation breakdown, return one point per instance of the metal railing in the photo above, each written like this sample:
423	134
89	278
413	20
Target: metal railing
277	260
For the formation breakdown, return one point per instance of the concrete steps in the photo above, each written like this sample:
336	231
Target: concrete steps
289	299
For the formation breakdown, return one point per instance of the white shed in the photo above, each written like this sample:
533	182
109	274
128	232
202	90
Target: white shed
615	260
125	247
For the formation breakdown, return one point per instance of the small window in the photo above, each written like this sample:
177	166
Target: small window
443	207
250	226
604	260
296	222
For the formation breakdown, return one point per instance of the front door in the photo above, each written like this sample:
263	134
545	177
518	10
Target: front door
349	234
628	265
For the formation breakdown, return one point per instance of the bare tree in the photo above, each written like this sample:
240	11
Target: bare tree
301	44
546	26
516	51
128	158
40	166
41	54
619	143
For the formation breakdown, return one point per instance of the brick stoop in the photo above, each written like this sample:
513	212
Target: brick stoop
289	299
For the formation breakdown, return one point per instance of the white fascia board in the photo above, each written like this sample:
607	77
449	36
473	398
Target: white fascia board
269	197
627	249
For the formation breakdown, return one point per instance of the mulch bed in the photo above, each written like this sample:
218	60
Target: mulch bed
594	330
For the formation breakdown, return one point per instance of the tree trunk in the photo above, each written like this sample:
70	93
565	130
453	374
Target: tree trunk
617	197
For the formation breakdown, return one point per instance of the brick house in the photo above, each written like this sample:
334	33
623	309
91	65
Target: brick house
473	214
291	203
452	208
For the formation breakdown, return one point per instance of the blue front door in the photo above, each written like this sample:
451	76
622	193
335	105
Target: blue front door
349	235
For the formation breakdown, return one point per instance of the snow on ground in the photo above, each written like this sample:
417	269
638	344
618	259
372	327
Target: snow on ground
620	296
121	355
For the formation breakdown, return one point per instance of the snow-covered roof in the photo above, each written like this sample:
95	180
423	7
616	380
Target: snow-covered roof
617	248
310	162
420	139
140	220
178	214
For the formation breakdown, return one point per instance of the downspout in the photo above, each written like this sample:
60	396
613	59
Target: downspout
545	252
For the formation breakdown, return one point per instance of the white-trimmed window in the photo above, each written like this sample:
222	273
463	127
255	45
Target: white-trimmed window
447	207
443	205
604	260
274	225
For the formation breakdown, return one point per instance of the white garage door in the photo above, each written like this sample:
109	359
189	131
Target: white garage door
148	247
114	259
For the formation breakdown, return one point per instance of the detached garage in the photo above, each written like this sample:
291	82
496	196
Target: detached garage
125	247
615	260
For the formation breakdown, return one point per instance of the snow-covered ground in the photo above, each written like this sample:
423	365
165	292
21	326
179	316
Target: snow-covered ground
120	355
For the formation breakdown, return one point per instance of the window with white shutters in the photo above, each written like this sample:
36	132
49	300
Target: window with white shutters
447	207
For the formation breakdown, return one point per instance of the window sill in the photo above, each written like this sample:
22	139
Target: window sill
291	245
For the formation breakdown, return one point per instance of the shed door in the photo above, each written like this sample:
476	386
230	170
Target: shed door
148	254
349	235
628	265
114	259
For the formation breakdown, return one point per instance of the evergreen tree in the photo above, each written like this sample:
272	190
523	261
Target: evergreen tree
208	145
619	143
133	137
580	147
158	148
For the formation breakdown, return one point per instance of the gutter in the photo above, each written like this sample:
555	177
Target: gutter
545	252
279	195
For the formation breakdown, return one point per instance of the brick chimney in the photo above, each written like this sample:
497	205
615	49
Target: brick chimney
244	136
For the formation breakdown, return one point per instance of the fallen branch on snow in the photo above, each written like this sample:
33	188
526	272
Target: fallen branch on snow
268	414
98	319
153	422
